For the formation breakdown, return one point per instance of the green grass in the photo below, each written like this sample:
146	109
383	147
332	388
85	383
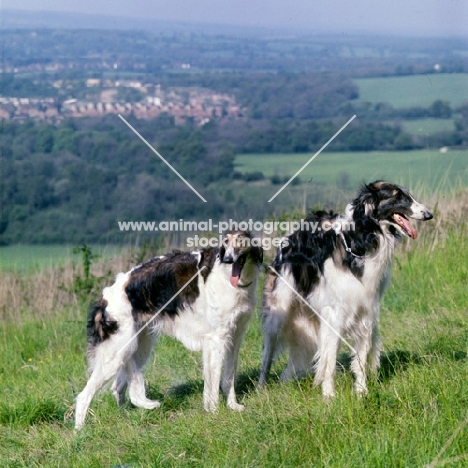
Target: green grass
437	172
30	258
419	400
427	127
415	90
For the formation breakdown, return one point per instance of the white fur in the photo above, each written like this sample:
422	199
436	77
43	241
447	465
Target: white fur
418	210
215	324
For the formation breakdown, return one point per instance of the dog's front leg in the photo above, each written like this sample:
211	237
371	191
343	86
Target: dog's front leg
230	365
327	352
367	354
363	343
213	357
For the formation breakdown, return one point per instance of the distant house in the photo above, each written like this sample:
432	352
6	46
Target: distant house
93	82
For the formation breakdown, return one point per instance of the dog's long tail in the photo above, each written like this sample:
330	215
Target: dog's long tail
100	324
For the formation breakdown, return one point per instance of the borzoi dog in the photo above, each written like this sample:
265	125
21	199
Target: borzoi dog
205	299
326	285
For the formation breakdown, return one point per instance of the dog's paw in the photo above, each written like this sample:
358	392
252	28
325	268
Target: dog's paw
360	390
236	407
153	404
147	404
210	406
261	382
328	391
119	398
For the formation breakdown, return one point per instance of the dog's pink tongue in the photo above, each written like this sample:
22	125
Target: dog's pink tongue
410	229
234	280
405	224
235	274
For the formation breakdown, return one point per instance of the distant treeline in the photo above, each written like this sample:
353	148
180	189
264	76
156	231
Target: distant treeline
163	51
361	135
74	181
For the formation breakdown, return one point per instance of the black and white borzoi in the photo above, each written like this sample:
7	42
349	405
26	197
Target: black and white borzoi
210	315
339	276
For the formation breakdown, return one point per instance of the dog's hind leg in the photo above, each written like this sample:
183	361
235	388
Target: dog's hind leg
269	348
104	369
230	365
277	302
119	387
133	370
272	329
301	337
299	363
376	349
146	341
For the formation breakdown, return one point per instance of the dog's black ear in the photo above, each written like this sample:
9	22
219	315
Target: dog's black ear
222	247
206	261
257	255
375	186
368	199
222	251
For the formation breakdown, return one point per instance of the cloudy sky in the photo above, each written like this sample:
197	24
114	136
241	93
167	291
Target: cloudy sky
415	17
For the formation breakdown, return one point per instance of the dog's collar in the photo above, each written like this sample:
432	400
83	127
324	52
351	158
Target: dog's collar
347	248
244	285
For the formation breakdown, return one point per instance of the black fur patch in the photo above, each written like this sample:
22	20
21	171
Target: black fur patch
307	251
256	254
154	283
100	325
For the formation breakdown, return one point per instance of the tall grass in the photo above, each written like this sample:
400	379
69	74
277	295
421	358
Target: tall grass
47	291
415	405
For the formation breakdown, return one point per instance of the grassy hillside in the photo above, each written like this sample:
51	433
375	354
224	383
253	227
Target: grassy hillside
415	90
413	409
436	171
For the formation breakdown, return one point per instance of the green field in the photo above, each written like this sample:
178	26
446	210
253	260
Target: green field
33	257
433	170
415	90
30	258
427	127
